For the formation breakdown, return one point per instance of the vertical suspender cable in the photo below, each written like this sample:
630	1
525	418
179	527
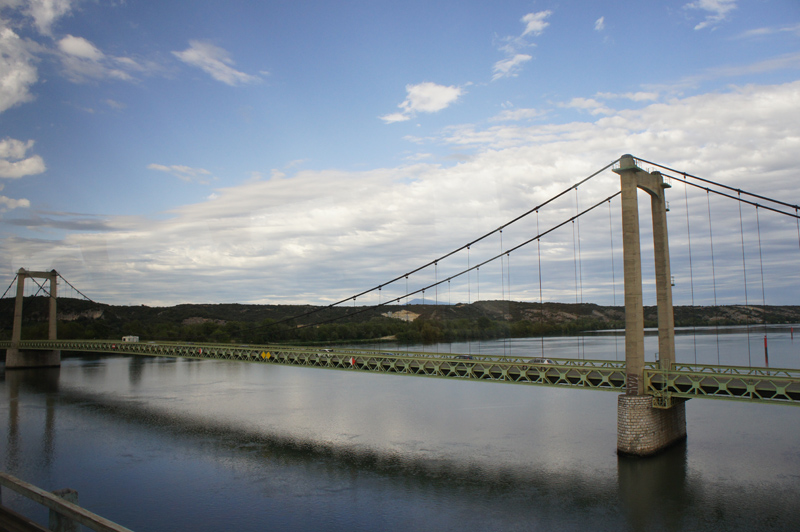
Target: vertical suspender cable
713	271
436	278
691	270
407	316
469	280
449	303
503	292
502	271
580	267
797	220
744	273
478	281
575	261
436	295
541	300
508	278
613	276
763	294
469	303
575	269
578	226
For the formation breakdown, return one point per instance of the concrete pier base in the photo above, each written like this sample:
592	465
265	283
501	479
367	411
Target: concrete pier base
643	430
20	358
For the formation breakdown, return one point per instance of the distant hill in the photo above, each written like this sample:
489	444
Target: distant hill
73	310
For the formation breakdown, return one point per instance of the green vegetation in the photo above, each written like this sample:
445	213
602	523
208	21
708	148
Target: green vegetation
255	324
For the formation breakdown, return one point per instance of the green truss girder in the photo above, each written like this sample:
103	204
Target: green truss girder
686	381
589	374
667	386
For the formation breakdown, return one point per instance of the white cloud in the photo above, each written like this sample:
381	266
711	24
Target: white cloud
761	32
429	97
588	104
395	117
633	96
45	13
17	70
306	237
215	61
424	97
535	23
80	47
82	61
600	24
509	115
115	104
718	11
10	203
14	162
509	67
789	61
184	173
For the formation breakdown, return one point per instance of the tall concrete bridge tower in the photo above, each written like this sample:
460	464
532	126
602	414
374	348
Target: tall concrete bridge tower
641	428
18	358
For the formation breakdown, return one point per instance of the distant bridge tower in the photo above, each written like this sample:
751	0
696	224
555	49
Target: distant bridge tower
641	428
18	358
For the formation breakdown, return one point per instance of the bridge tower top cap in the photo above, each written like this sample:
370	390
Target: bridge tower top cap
626	162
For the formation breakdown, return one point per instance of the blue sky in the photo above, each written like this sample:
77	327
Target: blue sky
168	152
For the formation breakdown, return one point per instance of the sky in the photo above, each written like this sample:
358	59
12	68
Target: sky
172	152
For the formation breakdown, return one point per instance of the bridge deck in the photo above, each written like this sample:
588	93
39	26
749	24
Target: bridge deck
682	381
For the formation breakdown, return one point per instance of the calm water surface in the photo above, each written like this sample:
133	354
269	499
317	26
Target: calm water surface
167	444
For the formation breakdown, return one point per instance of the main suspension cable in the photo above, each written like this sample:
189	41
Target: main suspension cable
459	274
465	246
737	190
739	198
15	278
81	293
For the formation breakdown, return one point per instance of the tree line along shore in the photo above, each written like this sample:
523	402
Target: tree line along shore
413	323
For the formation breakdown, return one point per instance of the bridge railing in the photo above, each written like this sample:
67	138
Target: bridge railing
61	507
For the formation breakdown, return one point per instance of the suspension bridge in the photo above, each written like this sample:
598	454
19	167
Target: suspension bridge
651	406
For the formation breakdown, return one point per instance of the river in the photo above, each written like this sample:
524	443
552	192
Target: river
160	444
